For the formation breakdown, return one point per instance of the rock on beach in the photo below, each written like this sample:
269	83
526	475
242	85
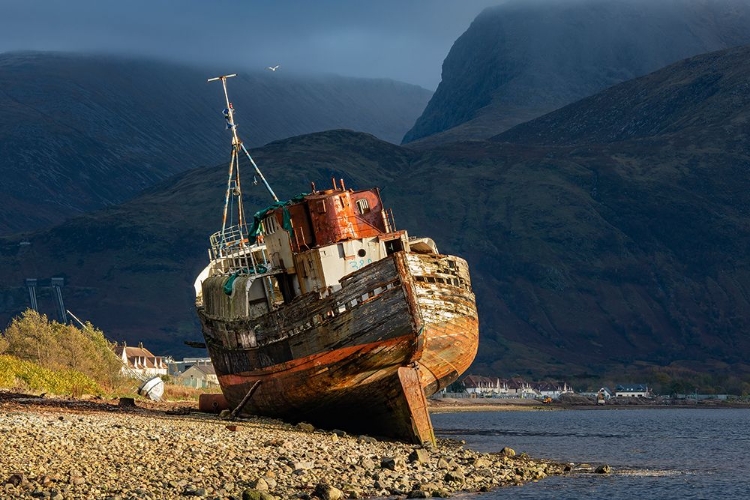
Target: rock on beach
127	453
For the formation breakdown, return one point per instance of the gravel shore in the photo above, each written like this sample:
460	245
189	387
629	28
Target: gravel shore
65	449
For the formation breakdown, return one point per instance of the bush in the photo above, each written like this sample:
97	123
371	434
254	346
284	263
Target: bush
16	373
64	348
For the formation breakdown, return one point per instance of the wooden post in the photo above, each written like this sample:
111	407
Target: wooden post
245	400
417	405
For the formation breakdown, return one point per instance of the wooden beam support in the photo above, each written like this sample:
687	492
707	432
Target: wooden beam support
245	400
416	402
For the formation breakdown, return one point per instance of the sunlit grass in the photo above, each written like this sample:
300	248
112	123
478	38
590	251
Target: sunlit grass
27	376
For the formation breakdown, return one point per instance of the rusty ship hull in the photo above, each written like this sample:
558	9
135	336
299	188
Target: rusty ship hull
362	359
319	309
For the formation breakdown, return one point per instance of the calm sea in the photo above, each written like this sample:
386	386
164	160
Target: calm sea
655	453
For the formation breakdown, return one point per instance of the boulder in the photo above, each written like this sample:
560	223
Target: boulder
250	494
419	455
392	463
367	463
455	476
419	494
603	469
305	427
259	484
325	491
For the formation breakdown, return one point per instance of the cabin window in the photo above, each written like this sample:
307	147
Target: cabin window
270	224
363	206
362	252
393	246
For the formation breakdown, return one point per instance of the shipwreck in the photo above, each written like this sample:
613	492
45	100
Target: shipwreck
319	310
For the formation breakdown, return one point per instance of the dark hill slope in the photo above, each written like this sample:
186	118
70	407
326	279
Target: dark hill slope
694	99
662	165
525	58
130	268
81	132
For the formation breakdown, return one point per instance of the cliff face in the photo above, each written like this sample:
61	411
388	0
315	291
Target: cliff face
525	58
81	132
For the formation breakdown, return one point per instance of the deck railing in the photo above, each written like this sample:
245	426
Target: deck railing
231	252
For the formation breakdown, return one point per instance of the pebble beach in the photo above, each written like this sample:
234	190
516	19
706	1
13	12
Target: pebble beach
68	449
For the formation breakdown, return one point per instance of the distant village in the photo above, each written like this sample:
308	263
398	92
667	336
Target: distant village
492	387
199	373
476	386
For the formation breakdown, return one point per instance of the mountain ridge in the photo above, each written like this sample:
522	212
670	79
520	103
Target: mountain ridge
78	132
523	59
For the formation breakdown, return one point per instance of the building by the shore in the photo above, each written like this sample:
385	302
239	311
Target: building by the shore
140	362
633	391
516	387
199	376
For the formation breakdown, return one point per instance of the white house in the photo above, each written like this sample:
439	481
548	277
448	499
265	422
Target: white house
484	386
140	361
633	391
519	388
178	367
199	376
552	389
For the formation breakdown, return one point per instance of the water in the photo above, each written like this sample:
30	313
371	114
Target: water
655	453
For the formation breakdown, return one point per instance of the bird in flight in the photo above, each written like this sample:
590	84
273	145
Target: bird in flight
274	68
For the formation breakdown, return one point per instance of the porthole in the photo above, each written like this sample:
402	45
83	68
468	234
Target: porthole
361	252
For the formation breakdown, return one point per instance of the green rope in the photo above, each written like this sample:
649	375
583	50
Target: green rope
286	218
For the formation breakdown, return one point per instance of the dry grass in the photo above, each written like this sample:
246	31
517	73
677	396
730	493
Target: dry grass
174	392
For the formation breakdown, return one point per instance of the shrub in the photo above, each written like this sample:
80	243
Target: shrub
65	348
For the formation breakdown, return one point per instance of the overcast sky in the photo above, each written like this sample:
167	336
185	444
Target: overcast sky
404	40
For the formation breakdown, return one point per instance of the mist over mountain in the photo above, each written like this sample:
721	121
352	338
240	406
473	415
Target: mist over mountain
622	256
81	132
524	58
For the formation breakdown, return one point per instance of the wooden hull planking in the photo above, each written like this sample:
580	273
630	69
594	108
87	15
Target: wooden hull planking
361	359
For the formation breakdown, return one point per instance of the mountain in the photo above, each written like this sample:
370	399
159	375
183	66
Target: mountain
524	58
81	132
607	241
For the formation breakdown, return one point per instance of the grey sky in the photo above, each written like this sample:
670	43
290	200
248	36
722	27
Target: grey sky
404	40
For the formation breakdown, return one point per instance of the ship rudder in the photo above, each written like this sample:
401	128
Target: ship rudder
415	404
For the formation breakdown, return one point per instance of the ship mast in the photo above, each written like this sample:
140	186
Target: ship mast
234	171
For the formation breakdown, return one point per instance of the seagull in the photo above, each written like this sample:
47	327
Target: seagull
274	68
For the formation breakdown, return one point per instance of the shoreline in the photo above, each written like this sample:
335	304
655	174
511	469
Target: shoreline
94	448
456	405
